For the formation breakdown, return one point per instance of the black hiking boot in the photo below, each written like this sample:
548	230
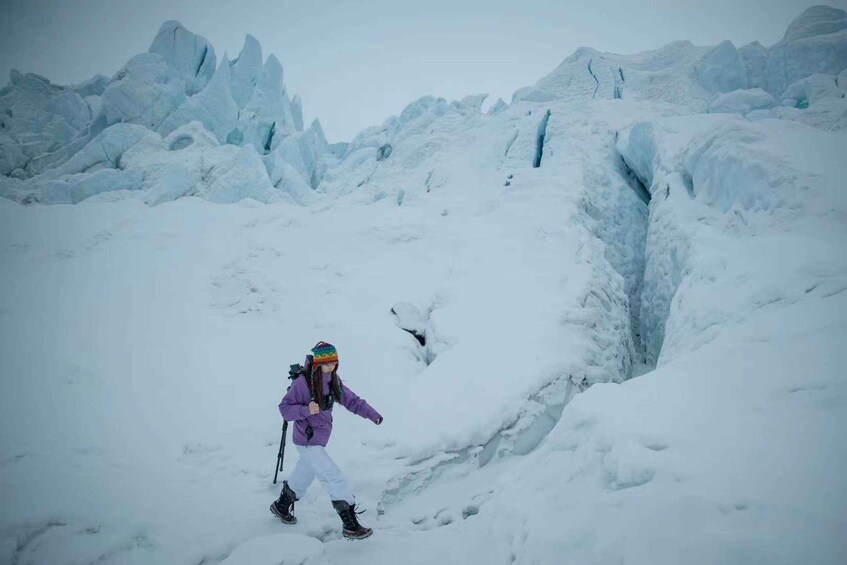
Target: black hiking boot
283	507
352	528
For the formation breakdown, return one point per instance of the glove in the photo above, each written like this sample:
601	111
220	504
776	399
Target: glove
379	421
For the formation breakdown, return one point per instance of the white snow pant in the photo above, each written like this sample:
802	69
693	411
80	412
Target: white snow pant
315	462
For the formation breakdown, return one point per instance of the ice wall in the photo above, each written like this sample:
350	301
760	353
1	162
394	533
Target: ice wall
242	103
716	180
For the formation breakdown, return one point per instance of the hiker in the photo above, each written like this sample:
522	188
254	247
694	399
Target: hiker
308	403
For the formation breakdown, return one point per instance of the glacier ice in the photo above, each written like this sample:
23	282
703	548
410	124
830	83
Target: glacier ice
727	164
243	103
174	167
75	188
497	107
144	92
245	70
214	107
722	69
190	54
92	87
755	58
742	101
297	112
105	150
812	89
653	75
36	118
267	118
815	41
704	249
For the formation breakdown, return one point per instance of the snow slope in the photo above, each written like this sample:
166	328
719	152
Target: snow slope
546	253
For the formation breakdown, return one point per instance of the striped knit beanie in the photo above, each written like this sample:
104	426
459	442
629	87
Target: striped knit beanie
324	352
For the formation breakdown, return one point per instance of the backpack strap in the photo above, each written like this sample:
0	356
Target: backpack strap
307	374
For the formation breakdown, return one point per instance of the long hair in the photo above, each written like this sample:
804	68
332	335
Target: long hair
317	384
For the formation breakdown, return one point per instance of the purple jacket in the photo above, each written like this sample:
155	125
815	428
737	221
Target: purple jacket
294	407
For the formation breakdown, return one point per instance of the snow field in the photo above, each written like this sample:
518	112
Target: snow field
215	314
544	253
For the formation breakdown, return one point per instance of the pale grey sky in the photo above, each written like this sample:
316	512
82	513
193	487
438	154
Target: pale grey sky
356	62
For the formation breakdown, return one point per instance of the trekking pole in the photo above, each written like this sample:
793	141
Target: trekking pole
281	455
293	373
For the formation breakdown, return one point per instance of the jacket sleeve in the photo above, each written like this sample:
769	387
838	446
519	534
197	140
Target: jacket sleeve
358	406
295	404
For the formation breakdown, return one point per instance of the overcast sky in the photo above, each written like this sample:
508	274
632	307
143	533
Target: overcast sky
356	62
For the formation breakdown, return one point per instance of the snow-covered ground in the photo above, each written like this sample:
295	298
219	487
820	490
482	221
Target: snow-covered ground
633	315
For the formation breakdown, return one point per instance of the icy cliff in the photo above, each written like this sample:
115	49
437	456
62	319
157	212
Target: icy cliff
242	103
